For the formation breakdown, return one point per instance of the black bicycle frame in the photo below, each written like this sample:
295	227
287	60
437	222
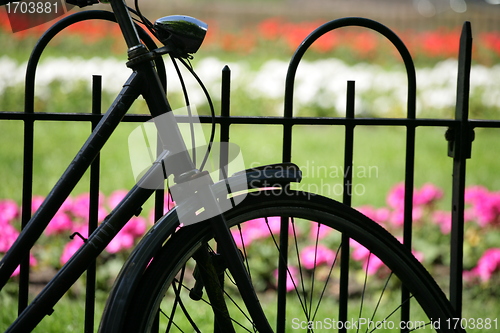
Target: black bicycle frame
143	81
96	243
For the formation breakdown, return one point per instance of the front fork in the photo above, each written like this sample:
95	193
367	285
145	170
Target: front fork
211	277
209	274
235	263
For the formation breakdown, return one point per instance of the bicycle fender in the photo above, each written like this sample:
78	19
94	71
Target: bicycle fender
115	311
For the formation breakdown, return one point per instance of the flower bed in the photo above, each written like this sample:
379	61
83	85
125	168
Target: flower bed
284	37
431	232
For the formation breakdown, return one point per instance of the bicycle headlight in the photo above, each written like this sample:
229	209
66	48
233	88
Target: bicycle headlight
183	32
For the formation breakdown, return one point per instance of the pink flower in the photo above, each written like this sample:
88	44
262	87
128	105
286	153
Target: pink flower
418	255
168	204
396	197
81	204
372	265
474	194
8	235
488	264
258	229
70	249
60	223
250	231
36	202
239	238
443	219
33	262
274	223
73	245
312	256
427	194
126	238
359	252
318	231
115	198
291	278
397	216
380	215
9	210
485	205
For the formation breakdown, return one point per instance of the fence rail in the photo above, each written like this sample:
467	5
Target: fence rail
459	137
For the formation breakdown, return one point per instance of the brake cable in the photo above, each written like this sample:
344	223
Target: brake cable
189	67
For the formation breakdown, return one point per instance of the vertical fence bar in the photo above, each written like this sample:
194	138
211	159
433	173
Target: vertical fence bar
29	133
225	111
408	213
159	210
27	192
460	150
349	144
93	210
225	103
409	168
347	200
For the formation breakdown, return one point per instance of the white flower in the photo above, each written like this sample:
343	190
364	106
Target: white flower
320	83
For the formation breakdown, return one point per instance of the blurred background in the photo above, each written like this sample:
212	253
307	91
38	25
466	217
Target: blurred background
398	14
256	38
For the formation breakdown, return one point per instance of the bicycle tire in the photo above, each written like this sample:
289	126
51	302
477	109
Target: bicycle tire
427	300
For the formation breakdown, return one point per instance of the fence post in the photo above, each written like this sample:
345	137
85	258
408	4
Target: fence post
459	147
347	200
93	210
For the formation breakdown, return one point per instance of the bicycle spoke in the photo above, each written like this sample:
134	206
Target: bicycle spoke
289	273
177	298
212	306
381	295
170	321
314	269
394	311
301	274
181	304
294	258
364	288
244	247
326	282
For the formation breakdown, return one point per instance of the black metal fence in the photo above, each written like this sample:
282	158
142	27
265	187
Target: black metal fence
460	134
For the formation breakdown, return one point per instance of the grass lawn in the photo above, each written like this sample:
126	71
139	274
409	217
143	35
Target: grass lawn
318	150
379	154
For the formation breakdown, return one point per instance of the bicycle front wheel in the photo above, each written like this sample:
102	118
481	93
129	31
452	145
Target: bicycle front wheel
316	266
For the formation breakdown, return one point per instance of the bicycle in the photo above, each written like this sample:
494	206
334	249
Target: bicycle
199	255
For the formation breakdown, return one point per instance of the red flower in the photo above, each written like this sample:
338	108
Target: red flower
271	28
440	43
491	40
